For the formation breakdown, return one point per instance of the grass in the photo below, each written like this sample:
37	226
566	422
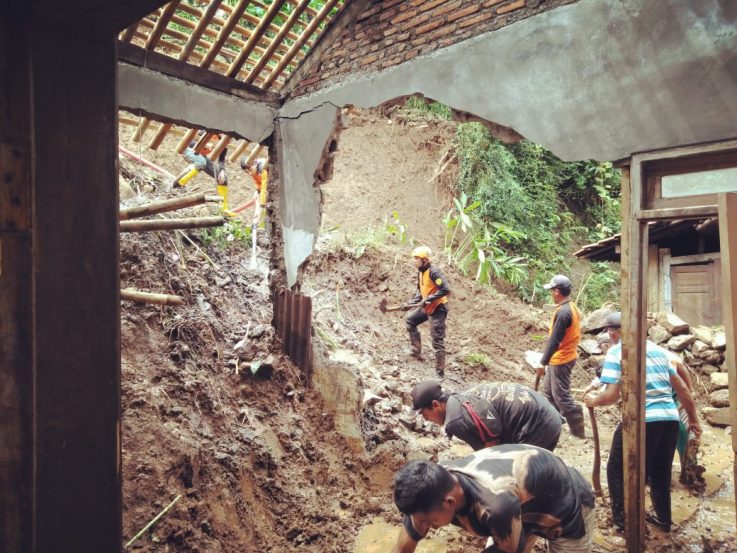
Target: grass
478	359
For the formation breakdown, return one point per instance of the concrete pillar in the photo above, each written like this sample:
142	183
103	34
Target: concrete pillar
59	288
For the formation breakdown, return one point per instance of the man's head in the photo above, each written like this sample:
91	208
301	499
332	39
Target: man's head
604	341
421	255
429	400
613	326
560	287
425	491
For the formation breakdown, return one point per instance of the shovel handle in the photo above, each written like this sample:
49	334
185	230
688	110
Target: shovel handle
596	472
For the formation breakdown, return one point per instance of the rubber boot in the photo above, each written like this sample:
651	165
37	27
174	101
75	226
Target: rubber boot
187	175
576	423
440	364
223	191
415	343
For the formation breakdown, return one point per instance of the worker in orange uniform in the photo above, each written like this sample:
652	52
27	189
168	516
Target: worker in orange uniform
259	172
199	161
429	302
561	353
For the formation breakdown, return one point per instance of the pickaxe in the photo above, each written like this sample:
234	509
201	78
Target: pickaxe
384	308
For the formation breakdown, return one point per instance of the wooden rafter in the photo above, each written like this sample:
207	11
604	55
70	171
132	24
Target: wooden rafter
238	150
202	24
161	24
225	31
253	40
277	40
296	47
219	147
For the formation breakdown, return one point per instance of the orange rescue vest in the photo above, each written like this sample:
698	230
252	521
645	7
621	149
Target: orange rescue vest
427	288
568	348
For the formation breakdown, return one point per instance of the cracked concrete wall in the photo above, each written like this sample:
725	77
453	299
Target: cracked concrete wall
303	141
152	93
597	79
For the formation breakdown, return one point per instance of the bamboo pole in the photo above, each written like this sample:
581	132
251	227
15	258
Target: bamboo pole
238	151
171	224
166	205
145	162
153	521
148	297
254	39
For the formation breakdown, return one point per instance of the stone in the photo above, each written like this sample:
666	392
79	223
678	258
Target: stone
658	334
672	322
590	346
370	398
719	341
680	341
717	416
711	356
719	381
596	319
699	347
708	369
719	398
703	333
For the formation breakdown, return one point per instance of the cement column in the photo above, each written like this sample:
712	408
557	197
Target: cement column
59	288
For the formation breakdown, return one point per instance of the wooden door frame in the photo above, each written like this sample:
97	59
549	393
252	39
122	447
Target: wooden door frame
639	206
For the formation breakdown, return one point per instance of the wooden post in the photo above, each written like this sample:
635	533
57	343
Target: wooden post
634	272
728	246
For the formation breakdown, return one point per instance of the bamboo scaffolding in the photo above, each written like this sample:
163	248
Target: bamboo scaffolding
164	206
148	297
225	31
171	224
255	37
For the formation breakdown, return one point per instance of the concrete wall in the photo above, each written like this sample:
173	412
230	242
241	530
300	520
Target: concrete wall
596	79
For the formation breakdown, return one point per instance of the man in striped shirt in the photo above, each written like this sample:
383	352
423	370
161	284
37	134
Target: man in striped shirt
661	424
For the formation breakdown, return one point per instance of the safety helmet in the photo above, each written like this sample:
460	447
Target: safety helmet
422	252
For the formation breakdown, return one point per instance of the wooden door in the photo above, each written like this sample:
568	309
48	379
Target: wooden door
696	293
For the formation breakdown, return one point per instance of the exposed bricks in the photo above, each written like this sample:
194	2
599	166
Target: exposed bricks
390	32
511	7
464	12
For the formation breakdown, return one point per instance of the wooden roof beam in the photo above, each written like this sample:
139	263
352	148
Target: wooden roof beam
306	34
277	40
255	37
161	25
202	24
225	31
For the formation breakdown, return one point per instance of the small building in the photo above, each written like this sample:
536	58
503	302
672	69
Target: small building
684	267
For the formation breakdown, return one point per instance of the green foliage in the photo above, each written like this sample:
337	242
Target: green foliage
599	287
530	208
477	359
232	233
393	230
417	107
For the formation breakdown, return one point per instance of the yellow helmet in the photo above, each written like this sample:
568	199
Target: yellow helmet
422	252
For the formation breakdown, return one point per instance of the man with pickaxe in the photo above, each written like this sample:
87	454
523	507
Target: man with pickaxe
429	302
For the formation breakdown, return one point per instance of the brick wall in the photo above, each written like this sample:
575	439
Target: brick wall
390	32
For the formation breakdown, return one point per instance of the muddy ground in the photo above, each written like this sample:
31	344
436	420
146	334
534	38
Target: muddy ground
257	461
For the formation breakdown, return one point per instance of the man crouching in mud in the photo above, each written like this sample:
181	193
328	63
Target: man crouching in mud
511	493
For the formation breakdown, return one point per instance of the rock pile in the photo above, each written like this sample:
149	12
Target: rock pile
700	347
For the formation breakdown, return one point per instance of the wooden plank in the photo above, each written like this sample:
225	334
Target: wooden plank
202	24
255	37
161	25
171	224
162	63
634	262
14	192
667	284
663	214
653	273
304	37
277	40
225	31
695	258
687	151
728	243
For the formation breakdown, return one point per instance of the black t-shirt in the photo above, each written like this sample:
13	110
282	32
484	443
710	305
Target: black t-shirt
502	413
512	491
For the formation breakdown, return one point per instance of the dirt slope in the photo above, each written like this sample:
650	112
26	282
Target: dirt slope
258	463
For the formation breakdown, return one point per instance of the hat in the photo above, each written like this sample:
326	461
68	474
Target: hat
422	252
558	281
603	338
613	320
424	393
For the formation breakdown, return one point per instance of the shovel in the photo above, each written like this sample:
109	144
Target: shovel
596	472
384	308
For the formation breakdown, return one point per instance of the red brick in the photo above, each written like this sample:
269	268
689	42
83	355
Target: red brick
368	13
476	19
311	80
463	13
511	7
388	14
403	17
388	63
491	3
389	3
445	30
402	37
390	31
419	40
429	26
430	4
449	7
369	59
419	20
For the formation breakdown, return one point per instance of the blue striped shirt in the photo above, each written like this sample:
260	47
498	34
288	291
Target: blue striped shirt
659	405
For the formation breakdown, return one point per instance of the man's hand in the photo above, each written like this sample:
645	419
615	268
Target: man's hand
590	399
695	427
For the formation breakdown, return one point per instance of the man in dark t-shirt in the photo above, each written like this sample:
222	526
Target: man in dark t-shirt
510	493
490	414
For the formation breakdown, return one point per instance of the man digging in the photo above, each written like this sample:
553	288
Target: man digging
490	414
510	493
431	300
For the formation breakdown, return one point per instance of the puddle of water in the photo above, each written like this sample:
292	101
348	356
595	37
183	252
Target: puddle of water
380	537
